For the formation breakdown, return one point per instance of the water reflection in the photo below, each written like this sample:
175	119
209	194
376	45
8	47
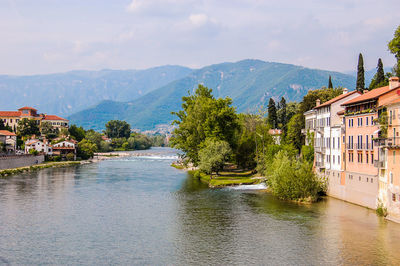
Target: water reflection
142	211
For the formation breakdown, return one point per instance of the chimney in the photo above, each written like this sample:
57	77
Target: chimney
393	82
345	90
318	102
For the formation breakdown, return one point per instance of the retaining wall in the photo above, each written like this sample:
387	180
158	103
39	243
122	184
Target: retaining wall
8	162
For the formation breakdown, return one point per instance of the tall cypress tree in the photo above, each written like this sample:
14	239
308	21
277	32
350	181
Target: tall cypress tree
282	113
360	73
272	117
330	86
379	79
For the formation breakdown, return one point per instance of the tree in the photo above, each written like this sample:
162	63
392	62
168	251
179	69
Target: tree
77	132
294	135
94	137
118	129
86	149
282	114
394	48
4	127
360	85
47	129
379	79
213	156
272	116
203	117
28	127
330	85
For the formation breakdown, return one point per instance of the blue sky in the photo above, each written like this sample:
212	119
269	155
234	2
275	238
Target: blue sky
47	36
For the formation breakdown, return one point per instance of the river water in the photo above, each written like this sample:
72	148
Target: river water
139	210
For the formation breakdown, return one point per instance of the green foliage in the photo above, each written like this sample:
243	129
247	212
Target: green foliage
33	151
383	124
203	117
272	116
293	179
118	129
330	85
323	94
214	155
5	127
394	48
47	129
157	141
294	134
379	80
105	146
307	153
139	142
94	137
28	127
360	85
77	133
381	210
282	114
86	149
70	156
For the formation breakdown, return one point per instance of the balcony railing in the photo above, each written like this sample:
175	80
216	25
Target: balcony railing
379	164
320	164
388	142
350	146
320	149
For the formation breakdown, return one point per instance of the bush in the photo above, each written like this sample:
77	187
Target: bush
293	179
213	156
381	210
33	151
70	156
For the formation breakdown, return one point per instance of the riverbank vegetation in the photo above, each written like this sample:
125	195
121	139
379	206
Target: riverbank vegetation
260	147
7	172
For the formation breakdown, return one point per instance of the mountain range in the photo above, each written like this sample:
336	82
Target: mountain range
250	83
67	93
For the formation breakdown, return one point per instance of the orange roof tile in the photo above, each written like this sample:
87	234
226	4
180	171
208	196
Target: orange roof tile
27	108
374	94
6	133
54	117
10	113
337	98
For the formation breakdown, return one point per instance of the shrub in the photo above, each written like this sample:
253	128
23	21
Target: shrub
381	210
70	156
293	179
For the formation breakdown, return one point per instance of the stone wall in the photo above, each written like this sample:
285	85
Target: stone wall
8	162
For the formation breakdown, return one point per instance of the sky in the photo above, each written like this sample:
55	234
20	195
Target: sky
48	36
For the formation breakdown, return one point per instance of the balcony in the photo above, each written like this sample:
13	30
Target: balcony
388	142
320	164
320	149
379	164
350	146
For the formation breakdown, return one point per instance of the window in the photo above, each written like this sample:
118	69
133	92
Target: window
366	121
372	180
366	141
359	178
372	157
367	179
394	157
333	142
338	159
391	178
393	197
390	117
366	157
372	121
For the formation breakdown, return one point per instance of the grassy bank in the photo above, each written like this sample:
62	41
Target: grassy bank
228	178
7	172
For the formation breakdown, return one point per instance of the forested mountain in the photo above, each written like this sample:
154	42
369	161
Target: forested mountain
67	93
250	83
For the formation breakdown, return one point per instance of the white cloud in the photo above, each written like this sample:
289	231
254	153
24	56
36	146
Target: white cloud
134	5
198	19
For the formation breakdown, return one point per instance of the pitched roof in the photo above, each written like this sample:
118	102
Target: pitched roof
27	108
10	113
337	98
374	94
6	133
54	117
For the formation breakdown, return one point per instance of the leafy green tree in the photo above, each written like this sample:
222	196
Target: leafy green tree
214	155
293	179
77	132
4	127
28	127
203	117
272	116
47	129
330	85
139	142
118	129
94	137
294	131
394	48
360	85
324	94
379	80
86	149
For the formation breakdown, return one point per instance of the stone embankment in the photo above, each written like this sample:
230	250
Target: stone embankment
9	162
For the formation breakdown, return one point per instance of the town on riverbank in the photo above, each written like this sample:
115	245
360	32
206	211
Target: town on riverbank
334	142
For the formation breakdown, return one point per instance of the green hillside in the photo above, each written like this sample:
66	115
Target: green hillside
250	83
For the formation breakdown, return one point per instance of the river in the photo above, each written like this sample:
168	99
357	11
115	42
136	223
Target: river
139	210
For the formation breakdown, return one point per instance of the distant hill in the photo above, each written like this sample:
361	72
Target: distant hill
70	92
250	83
